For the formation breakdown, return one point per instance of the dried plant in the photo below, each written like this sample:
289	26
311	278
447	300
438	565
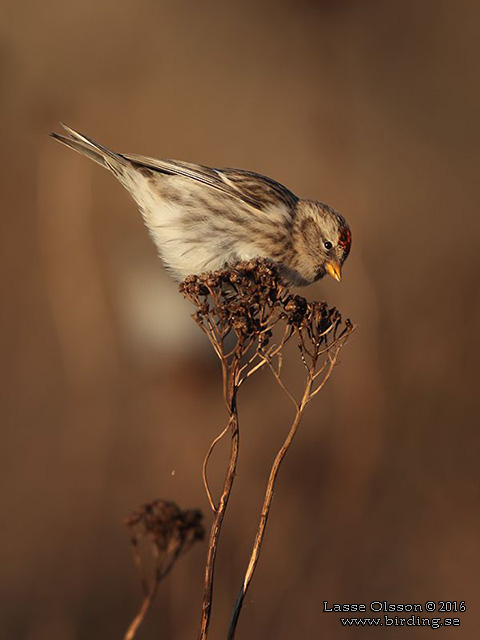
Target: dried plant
170	532
249	314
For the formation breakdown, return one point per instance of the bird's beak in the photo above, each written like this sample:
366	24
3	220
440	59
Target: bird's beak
334	269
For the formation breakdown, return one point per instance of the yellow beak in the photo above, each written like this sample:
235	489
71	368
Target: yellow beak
334	269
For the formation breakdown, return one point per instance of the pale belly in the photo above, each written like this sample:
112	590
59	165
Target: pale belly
195	228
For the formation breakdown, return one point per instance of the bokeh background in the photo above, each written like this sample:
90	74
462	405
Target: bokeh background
109	393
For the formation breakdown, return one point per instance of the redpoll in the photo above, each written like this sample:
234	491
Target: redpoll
203	219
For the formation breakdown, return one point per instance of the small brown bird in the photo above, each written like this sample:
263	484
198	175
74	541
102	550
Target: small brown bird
202	219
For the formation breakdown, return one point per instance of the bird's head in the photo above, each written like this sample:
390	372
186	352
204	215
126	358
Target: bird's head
321	241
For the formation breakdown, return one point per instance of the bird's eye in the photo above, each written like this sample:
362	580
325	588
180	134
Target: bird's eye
328	245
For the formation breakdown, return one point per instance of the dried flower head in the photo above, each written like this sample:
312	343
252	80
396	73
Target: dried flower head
251	299
171	532
167	527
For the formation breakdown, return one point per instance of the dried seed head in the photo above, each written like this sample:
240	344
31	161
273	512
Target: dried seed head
252	297
165	524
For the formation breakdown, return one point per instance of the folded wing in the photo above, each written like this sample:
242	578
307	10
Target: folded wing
254	189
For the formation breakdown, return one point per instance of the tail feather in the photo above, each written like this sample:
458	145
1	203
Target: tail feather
93	150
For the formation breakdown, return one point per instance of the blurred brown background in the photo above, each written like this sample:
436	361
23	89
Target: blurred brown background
110	396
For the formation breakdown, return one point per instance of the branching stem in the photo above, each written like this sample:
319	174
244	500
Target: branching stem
250	303
269	493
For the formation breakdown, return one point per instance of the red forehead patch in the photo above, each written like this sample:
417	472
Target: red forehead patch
345	240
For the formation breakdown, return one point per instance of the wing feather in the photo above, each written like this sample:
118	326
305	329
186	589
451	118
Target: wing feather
254	189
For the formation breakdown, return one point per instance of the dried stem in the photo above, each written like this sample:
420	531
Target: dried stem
212	446
267	502
170	533
150	595
248	303
219	513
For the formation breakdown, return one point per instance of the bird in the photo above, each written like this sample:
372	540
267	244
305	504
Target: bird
202	219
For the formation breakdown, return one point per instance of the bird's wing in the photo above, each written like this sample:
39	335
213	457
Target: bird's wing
252	188
260	190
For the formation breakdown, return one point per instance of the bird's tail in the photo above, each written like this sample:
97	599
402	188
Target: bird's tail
90	148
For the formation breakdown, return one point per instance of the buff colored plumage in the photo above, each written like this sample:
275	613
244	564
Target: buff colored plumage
202	219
